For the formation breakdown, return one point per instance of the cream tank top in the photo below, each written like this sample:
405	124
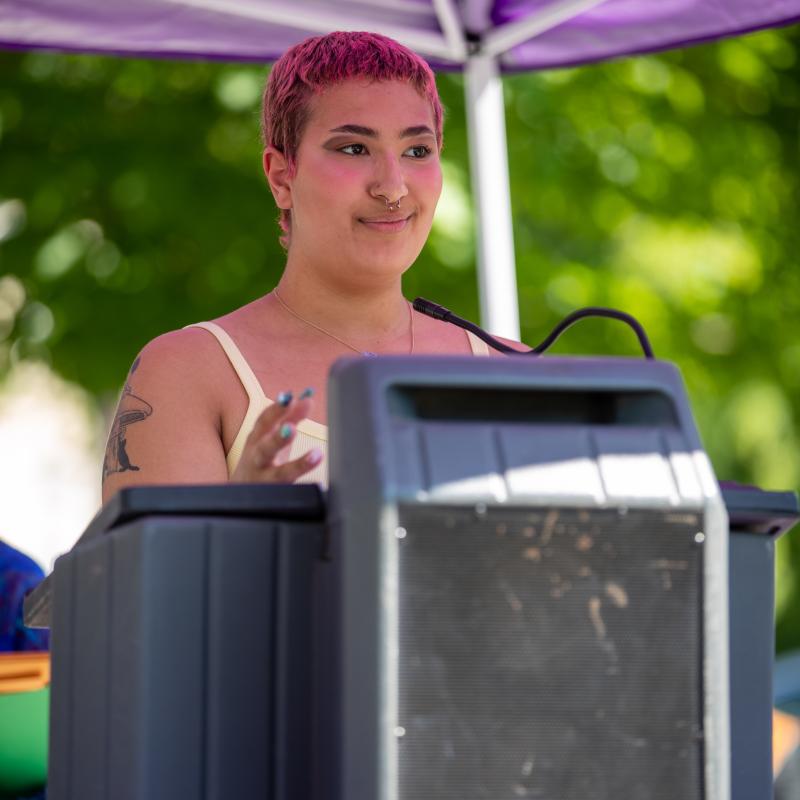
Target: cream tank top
309	433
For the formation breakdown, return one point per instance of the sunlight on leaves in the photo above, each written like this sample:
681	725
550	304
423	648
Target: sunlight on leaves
649	75
739	59
452	238
571	288
231	139
685	93
12	218
694	263
36	322
762	427
674	145
618	164
239	90
60	253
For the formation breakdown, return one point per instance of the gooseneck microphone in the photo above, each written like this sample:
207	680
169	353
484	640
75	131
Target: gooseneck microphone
436	311
431	309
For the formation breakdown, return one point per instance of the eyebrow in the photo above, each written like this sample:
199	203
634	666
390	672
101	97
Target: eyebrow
362	130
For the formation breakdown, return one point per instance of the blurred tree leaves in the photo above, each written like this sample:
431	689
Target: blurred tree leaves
132	202
144	207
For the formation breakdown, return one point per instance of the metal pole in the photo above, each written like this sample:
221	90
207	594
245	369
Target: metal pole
497	281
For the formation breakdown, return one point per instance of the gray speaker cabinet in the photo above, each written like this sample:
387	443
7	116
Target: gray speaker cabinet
522	584
182	637
533	585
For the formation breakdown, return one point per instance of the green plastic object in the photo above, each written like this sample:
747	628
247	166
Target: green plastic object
23	741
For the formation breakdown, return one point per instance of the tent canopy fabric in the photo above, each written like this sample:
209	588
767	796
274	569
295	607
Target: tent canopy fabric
521	34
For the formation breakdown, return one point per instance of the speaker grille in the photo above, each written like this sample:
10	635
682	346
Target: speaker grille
553	654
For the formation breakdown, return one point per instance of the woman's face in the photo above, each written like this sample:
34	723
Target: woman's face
365	143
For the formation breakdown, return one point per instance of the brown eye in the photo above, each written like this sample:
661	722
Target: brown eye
353	149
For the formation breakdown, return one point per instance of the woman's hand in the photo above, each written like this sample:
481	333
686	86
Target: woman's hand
272	434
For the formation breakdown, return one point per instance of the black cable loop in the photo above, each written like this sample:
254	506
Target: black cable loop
440	312
597	311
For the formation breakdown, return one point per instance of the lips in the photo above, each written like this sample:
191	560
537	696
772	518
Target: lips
386	224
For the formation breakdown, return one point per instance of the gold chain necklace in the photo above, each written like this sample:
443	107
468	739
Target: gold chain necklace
334	336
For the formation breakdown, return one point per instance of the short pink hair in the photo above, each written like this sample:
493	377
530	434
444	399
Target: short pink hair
319	62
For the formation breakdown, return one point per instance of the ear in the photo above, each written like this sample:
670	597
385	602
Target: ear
276	169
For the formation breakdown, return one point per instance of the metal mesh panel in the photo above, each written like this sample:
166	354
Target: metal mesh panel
552	654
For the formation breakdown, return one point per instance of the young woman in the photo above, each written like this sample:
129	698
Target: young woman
352	127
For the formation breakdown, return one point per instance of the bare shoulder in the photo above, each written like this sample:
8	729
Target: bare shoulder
190	361
167	425
440	337
192	351
446	337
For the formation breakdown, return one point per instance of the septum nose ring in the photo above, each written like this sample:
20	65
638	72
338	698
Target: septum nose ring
391	206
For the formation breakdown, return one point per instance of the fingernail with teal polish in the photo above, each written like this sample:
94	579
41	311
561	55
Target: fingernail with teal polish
286	431
284	398
307	393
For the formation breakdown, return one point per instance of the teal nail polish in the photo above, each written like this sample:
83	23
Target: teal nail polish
286	431
307	393
284	398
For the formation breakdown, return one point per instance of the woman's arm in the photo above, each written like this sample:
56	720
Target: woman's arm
167	428
168	425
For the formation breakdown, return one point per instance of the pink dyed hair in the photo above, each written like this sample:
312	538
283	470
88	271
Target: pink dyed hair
320	62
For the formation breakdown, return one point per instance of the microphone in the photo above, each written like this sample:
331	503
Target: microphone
431	309
436	311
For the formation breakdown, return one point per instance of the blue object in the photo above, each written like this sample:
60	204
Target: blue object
18	576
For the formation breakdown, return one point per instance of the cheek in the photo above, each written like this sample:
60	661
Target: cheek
438	189
319	203
430	188
430	184
333	177
337	178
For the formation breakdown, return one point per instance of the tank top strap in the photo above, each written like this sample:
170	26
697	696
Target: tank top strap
479	347
240	366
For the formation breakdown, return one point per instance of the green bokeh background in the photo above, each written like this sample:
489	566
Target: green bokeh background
132	202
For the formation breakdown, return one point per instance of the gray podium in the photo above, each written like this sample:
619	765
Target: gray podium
525	582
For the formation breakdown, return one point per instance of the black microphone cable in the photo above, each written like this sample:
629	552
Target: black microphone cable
436	311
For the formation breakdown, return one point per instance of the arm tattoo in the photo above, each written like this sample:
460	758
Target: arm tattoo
131	409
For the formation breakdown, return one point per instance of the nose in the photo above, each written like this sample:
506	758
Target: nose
389	181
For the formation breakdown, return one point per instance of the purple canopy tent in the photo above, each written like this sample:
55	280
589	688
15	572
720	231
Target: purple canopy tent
482	37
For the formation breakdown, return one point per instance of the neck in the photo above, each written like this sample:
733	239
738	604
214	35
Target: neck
368	317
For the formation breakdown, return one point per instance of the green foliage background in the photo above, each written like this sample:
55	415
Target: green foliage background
131	202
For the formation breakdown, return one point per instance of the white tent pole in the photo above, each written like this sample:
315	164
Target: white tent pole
453	30
497	282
